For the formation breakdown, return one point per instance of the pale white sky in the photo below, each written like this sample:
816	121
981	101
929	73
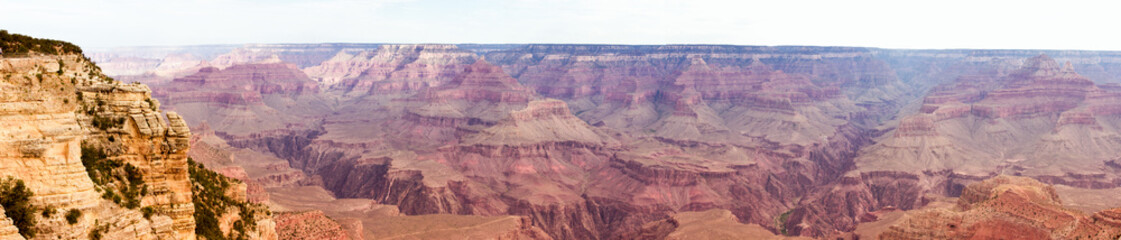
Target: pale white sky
1091	25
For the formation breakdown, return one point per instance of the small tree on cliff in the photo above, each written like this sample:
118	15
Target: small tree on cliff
16	199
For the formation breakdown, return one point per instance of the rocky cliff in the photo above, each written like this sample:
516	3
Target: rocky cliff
98	156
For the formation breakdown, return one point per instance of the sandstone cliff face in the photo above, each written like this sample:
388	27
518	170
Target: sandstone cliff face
156	146
57	124
42	147
93	149
7	230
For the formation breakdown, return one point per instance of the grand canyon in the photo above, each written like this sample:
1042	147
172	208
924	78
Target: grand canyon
560	141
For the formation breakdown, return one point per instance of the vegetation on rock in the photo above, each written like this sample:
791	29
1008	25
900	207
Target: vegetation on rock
73	215
148	211
48	211
105	123
98	232
119	182
210	200
14	45
15	197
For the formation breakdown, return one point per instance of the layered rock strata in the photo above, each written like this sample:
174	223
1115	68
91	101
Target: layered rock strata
97	151
799	140
1006	207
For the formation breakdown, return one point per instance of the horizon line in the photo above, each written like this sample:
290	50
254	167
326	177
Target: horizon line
102	49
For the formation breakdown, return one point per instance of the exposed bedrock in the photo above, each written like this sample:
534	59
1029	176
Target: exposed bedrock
598	141
1005	207
851	199
572	190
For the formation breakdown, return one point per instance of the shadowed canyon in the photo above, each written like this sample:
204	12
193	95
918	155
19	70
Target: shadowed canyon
558	141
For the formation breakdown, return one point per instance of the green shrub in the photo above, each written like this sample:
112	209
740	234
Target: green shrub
780	223
148	211
73	215
210	202
151	105
95	234
15	197
98	232
105	123
48	211
105	173
15	45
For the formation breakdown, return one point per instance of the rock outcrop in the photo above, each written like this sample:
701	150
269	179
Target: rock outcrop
265	96
1005	207
96	150
70	108
1032	119
308	225
392	69
144	139
7	230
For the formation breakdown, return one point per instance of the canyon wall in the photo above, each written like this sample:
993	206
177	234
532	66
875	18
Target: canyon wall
611	141
99	157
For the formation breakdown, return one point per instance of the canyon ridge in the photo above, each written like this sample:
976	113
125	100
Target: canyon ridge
557	141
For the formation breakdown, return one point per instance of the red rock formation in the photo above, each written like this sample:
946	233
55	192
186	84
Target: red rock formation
273	78
1005	207
1027	121
641	132
914	126
507	162
245	98
480	82
307	225
393	69
1078	118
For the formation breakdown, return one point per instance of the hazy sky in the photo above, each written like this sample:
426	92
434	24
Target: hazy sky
889	23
